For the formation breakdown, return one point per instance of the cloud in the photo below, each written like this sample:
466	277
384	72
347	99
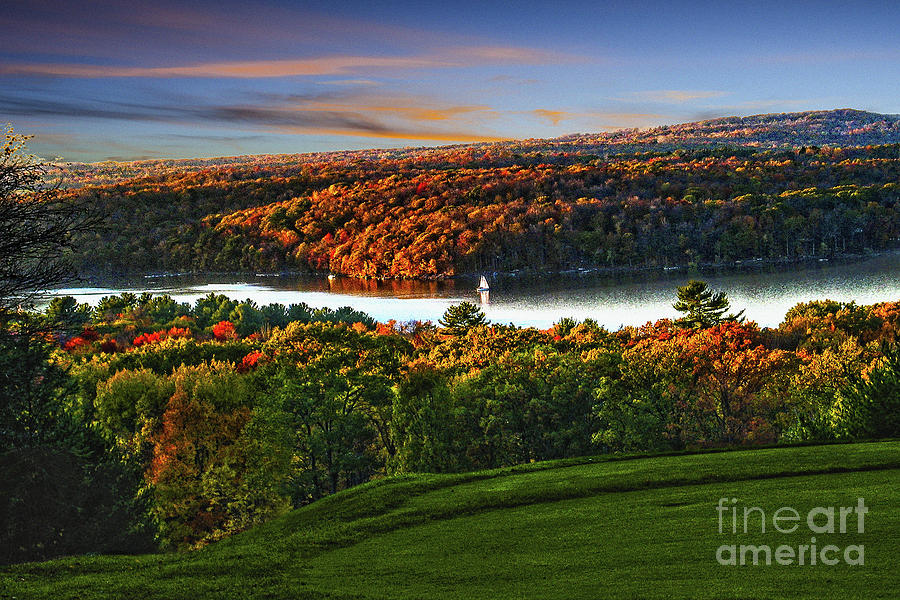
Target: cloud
325	65
554	116
423	113
332	65
597	119
515	55
412	119
163	30
678	96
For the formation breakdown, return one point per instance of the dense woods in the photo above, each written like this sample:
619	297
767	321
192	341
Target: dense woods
144	423
213	417
437	213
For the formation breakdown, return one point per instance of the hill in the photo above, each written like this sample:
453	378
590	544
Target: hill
840	127
468	210
588	528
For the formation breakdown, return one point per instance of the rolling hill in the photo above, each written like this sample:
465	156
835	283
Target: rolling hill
772	188
639	527
839	127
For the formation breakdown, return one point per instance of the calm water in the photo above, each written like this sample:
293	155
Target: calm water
612	301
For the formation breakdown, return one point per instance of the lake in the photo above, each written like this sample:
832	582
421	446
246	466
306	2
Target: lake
765	293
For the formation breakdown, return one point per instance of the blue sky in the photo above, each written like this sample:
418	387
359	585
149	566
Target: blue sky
129	79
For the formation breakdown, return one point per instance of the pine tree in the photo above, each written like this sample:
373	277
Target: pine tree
703	306
460	318
870	405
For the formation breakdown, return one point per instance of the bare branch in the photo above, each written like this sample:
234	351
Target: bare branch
36	227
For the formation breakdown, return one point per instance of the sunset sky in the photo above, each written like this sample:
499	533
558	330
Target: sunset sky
129	79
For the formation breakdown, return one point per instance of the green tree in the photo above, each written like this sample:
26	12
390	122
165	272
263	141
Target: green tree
529	406
65	312
31	390
54	503
110	307
36	228
869	406
460	318
422	423
703	307
335	385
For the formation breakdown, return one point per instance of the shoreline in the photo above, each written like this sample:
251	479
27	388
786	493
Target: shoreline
654	272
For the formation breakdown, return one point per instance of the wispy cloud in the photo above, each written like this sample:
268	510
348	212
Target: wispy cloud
677	96
411	118
597	119
325	65
331	65
553	116
513	80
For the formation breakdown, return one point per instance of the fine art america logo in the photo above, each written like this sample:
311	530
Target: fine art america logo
821	520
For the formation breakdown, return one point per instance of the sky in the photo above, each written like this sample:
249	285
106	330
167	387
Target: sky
137	79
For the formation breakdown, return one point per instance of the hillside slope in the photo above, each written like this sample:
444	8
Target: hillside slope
587	528
841	127
774	187
463	213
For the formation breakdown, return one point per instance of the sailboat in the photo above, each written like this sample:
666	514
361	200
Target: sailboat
483	286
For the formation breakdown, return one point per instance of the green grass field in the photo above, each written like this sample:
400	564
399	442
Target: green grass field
644	527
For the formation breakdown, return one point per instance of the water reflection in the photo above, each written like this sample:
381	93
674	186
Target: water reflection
396	288
766	294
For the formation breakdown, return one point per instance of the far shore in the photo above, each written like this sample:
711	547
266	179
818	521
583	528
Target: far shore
654	272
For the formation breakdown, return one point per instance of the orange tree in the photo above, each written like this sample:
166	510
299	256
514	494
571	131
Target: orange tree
711	386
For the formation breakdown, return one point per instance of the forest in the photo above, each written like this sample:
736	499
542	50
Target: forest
145	424
176	425
538	206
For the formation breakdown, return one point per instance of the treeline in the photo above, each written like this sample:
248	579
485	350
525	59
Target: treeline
840	128
200	421
462	211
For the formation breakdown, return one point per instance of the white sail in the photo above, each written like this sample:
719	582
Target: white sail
484	284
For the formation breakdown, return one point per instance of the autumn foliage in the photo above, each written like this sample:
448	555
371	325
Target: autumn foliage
566	204
224	330
230	429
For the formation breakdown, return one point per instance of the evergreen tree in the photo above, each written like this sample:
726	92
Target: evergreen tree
460	318
870	406
703	307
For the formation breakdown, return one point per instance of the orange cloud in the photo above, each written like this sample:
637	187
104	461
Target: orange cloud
245	70
593	119
515	55
554	116
393	117
357	115
411	113
327	65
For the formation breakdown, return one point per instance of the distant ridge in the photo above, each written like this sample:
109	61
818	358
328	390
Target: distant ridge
840	127
780	187
843	126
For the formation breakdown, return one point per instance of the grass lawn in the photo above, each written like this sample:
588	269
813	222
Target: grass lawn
642	527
